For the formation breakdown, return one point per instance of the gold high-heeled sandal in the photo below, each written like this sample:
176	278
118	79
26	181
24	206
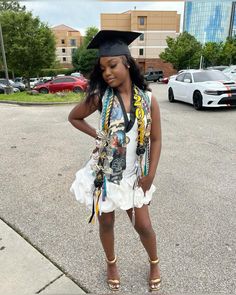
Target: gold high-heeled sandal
154	284
114	285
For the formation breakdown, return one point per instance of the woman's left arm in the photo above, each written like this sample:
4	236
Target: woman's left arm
155	146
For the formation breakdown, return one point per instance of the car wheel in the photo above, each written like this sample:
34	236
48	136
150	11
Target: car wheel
171	95
43	90
197	100
77	90
154	80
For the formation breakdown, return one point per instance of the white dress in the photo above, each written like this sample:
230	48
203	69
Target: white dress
121	196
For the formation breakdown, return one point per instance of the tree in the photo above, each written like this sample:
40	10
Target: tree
183	52
229	51
11	5
29	43
212	53
84	59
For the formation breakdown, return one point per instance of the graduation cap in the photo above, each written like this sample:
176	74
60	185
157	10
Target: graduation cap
113	43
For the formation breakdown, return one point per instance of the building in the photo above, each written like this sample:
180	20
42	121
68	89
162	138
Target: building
210	21
155	26
67	40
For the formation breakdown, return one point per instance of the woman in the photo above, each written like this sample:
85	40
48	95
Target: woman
121	170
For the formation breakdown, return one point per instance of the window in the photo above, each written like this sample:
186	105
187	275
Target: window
180	77
188	76
69	79
73	51
62	41
141	38
141	51
63	50
72	42
141	20
64	58
59	80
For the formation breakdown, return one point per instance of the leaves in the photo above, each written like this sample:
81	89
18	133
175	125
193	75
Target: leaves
183	52
29	43
11	5
84	59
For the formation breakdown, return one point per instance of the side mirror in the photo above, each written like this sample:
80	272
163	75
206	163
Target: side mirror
187	80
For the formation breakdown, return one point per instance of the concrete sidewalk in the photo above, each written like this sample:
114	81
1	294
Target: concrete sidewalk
23	270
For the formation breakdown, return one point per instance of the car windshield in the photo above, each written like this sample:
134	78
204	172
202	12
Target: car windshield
230	69
209	76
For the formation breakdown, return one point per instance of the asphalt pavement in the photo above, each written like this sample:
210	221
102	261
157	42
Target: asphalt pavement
46	244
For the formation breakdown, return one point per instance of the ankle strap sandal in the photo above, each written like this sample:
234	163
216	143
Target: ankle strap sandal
113	284
154	284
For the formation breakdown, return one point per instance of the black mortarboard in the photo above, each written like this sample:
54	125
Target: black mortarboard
113	43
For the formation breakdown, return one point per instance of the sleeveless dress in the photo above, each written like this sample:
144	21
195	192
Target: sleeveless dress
119	196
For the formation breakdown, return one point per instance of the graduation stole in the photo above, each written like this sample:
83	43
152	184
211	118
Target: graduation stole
141	109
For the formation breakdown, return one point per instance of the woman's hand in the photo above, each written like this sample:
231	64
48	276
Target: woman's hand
145	183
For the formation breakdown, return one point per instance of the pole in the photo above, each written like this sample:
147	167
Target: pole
201	58
8	89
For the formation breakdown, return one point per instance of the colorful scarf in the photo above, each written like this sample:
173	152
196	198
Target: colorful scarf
111	159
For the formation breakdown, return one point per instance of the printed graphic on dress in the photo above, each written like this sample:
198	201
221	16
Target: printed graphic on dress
118	163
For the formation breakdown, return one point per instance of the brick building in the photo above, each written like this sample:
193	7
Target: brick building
67	40
155	26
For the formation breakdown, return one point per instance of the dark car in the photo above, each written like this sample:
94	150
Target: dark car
18	85
66	83
154	76
2	87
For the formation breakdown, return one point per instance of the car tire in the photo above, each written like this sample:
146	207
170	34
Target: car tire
197	100
43	90
77	90
155	81
171	96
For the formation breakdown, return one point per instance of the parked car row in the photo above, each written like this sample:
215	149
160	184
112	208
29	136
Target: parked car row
202	88
76	83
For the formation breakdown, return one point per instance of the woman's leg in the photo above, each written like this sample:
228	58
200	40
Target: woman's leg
147	236
106	231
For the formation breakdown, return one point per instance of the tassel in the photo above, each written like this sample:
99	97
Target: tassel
91	219
104	189
133	217
97	202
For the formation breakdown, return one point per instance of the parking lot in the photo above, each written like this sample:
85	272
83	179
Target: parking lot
193	209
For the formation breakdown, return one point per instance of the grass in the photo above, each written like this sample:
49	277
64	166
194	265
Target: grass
52	97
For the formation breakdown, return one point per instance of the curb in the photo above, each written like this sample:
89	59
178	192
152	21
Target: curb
36	103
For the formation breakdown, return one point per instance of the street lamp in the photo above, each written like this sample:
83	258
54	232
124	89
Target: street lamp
8	89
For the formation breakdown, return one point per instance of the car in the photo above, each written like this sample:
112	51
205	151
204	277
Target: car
154	75
230	72
3	89
76	74
66	83
202	88
18	85
164	80
33	82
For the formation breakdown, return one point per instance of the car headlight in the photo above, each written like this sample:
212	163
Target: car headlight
212	92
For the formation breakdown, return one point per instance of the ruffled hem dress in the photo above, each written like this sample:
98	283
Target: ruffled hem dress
119	196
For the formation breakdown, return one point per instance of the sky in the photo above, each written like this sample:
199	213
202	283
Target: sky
80	14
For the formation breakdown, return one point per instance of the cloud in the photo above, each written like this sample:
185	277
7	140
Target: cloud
83	14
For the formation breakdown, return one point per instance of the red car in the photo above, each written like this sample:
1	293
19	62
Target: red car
66	83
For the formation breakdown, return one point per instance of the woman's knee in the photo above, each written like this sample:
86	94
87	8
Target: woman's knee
144	229
106	221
